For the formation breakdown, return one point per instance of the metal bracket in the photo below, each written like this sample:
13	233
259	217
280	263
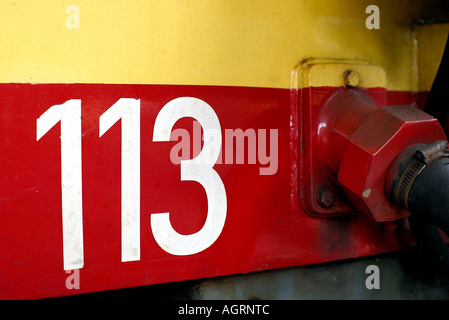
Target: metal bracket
317	82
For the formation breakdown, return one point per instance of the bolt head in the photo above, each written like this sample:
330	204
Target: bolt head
325	198
351	78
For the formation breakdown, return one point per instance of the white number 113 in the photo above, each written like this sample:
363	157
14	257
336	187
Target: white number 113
128	111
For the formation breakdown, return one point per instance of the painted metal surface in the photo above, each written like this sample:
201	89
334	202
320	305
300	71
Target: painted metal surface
220	42
405	275
88	182
261	231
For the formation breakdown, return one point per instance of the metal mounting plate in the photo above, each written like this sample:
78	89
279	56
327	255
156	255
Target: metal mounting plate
317	82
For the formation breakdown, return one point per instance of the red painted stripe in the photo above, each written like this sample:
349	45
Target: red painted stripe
263	230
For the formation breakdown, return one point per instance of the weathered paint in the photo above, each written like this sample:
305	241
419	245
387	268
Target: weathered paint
220	42
261	231
240	60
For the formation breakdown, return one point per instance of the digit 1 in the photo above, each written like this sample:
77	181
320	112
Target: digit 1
69	113
128	110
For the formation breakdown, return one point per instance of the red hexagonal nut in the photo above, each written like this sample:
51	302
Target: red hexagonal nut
372	149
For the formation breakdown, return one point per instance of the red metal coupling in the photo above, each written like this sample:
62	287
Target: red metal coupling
360	141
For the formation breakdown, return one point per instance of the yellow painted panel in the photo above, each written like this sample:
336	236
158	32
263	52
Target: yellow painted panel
202	42
330	73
